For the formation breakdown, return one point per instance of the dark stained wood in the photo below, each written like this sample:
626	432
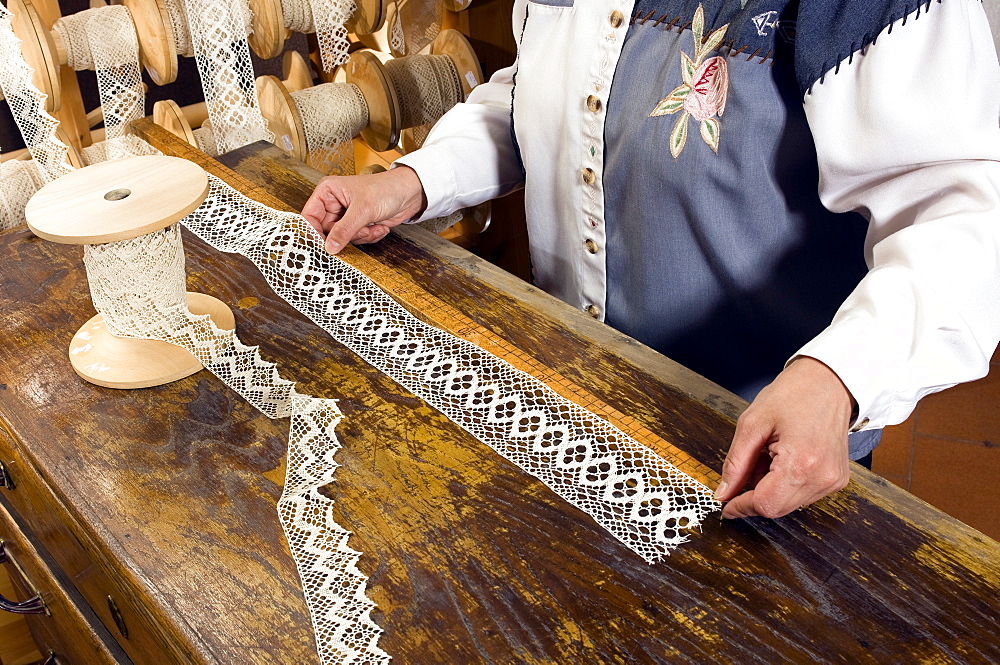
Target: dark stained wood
170	492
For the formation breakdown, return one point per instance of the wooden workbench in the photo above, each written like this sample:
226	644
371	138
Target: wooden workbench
163	500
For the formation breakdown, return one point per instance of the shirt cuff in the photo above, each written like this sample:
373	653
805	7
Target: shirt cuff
437	179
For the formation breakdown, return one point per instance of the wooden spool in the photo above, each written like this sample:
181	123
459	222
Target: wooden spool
453	44
115	201
366	70
182	121
269	30
45	53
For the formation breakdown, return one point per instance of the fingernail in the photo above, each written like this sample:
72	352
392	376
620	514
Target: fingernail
721	490
333	247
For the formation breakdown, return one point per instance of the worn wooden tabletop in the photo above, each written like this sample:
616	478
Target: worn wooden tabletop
173	491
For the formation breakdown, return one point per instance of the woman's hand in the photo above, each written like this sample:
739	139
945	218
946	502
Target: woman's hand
362	208
790	446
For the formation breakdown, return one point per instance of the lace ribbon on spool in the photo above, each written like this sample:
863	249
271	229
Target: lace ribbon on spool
419	21
19	179
326	18
332	114
218	30
27	105
427	86
138	285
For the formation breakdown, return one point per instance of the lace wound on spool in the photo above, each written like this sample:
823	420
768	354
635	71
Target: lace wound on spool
218	32
332	114
27	105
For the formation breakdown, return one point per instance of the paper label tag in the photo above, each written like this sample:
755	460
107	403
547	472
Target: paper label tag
286	141
471	78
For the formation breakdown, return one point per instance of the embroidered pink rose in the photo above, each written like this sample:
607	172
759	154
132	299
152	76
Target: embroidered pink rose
709	87
702	95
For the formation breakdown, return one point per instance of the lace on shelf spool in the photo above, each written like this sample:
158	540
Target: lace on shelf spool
427	86
325	18
419	21
218	29
332	114
27	105
19	180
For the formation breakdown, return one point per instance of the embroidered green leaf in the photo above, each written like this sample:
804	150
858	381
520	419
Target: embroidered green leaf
679	135
687	68
710	133
697	30
714	39
673	102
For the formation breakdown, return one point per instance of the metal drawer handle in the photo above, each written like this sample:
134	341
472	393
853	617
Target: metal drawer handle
34	605
5	478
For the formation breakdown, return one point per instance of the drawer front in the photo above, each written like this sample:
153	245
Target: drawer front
66	630
138	632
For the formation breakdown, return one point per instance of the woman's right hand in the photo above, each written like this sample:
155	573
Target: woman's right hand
362	208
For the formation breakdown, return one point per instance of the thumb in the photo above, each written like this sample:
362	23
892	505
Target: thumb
344	231
748	442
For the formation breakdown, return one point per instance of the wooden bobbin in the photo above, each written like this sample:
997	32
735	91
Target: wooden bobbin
45	53
453	44
366	70
182	121
115	201
279	108
269	30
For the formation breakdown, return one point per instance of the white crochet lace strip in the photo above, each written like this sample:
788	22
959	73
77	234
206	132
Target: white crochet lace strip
326	18
114	45
19	180
218	33
139	287
27	105
332	114
631	491
420	22
177	12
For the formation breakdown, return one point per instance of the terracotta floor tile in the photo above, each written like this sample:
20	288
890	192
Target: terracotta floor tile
970	411
892	457
960	479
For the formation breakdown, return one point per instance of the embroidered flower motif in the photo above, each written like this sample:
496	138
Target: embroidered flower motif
703	93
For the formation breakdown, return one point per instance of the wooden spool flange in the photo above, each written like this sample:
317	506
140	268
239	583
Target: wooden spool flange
45	53
269	30
453	44
115	201
385	119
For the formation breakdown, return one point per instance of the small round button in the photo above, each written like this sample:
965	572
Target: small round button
591	246
589	176
616	18
594	103
860	425
593	310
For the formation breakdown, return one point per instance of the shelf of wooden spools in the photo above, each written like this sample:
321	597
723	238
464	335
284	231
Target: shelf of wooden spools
111	202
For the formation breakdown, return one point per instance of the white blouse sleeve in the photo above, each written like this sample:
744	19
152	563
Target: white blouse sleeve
469	156
907	135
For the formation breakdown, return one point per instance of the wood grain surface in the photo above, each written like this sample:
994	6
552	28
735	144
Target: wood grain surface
171	491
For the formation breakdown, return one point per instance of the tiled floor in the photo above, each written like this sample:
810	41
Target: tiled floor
948	452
